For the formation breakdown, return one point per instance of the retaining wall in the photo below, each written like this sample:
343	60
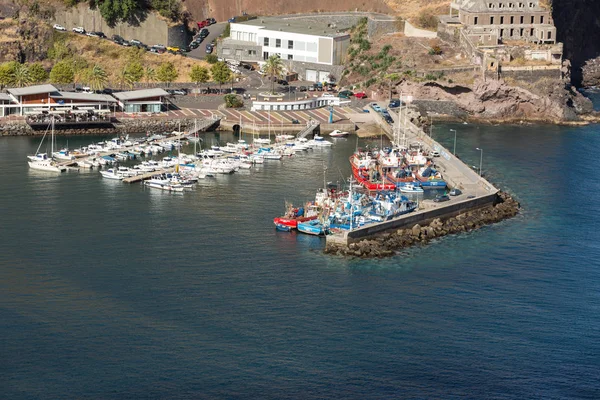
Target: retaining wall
152	30
531	74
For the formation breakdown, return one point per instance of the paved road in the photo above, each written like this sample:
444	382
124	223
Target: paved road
214	32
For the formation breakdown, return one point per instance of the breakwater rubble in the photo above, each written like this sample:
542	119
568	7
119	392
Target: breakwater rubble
387	244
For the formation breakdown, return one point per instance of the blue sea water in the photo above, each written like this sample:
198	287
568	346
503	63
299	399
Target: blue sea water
113	291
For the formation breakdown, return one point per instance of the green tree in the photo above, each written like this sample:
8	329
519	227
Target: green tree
199	75
59	51
7	73
273	68
227	31
211	58
150	75
21	76
220	73
166	72
62	72
233	101
167	8
135	71
96	77
37	73
114	11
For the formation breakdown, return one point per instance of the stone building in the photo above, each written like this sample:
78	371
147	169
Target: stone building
491	22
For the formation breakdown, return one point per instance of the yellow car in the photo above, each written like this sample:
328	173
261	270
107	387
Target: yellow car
174	49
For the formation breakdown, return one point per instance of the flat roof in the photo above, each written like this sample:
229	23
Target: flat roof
297	25
140	94
103	98
37	89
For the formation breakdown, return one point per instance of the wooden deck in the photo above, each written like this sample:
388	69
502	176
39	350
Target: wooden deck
147	175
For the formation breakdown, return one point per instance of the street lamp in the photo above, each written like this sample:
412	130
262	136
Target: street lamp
480	159
454	130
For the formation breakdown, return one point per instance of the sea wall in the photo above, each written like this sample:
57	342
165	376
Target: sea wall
20	128
386	244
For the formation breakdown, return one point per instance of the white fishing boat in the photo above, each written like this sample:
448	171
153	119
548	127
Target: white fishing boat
41	161
261	141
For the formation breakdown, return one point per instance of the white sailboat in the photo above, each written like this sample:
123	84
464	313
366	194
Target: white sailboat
41	161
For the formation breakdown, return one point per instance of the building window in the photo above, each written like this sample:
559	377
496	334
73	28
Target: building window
265	55
266	42
549	35
474	20
532	19
512	32
512	20
531	32
492	20
521	32
502	20
522	19
541	19
251	52
290	45
277	42
290	57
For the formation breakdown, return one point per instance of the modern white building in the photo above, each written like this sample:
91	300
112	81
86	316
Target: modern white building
311	49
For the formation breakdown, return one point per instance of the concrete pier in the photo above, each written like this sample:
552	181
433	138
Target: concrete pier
476	191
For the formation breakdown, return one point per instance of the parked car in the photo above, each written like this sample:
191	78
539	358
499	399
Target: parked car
173	48
212	20
302	88
125	43
375	107
59	28
394	103
180	92
209	49
441	198
327	95
366	111
100	34
202	24
194	45
346	93
435	153
232	19
455	192
107	91
360	95
117	39
283	82
135	42
79	29
91	34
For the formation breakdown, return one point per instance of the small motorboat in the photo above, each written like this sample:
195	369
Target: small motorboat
410	188
338	134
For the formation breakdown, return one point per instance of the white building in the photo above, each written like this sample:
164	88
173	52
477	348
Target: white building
311	49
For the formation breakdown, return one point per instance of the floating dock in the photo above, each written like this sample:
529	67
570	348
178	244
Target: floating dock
148	175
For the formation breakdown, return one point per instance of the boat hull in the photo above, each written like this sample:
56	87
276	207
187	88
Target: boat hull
292	223
311	228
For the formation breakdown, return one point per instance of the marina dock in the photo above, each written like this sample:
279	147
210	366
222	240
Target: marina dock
148	175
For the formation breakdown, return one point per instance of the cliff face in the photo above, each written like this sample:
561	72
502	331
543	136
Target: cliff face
578	27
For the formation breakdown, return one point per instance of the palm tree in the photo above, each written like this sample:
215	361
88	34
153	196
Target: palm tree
273	68
125	78
150	75
97	77
21	76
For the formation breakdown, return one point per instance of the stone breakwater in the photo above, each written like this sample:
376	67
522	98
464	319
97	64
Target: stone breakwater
20	128
387	244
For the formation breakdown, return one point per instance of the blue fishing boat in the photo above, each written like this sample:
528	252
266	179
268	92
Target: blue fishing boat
313	227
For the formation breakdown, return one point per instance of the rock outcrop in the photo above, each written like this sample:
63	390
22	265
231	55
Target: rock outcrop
492	99
387	244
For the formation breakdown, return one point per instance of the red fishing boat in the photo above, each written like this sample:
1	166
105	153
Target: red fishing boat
293	215
362	164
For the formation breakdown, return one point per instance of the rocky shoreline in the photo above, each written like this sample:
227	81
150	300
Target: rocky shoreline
387	244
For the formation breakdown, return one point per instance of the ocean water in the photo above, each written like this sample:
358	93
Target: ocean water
113	291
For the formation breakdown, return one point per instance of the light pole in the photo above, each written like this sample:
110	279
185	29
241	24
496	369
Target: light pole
454	130
480	159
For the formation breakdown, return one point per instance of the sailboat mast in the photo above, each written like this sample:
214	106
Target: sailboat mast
52	139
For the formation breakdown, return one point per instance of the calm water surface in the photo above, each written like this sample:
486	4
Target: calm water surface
110	290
